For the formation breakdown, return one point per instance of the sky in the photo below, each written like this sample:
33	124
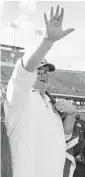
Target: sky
68	53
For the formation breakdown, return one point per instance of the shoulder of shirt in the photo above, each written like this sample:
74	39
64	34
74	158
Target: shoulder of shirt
20	69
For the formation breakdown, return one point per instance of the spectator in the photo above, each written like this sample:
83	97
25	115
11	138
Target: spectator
79	149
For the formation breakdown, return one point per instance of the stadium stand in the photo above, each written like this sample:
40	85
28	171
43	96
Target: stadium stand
10	54
68	82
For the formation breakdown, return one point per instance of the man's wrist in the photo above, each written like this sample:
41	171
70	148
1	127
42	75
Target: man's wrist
48	42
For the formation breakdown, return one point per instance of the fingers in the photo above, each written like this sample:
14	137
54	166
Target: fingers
59	106
61	15
45	17
65	106
61	109
51	14
68	31
56	16
57	13
62	101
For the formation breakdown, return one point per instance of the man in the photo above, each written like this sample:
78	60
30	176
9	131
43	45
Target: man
35	132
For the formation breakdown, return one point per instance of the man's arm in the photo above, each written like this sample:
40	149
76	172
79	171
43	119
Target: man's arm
65	106
54	32
34	61
68	124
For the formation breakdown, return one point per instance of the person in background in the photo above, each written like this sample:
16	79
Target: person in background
79	149
36	133
75	154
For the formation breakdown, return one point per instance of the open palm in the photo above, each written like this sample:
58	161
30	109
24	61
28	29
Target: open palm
54	25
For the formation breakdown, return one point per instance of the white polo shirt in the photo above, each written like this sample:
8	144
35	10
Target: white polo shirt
35	132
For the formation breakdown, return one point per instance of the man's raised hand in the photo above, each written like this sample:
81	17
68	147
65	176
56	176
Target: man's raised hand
54	29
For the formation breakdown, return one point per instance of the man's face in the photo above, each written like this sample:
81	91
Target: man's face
43	74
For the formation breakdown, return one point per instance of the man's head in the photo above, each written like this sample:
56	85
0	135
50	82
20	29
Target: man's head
44	71
44	64
43	74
